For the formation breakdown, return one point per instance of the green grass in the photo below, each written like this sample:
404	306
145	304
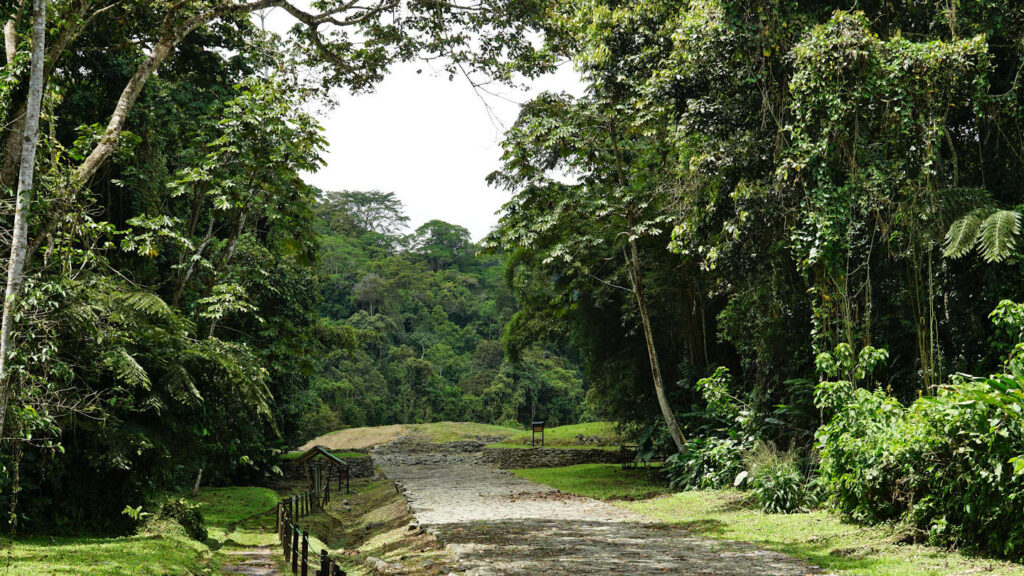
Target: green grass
820	537
600	481
232	517
224	508
566	437
153	552
288	456
441	432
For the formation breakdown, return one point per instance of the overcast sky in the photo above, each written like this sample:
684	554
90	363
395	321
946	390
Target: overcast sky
429	140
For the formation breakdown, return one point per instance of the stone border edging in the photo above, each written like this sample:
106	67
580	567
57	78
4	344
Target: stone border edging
510	458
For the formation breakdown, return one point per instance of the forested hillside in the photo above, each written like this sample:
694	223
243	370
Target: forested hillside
417	322
161	323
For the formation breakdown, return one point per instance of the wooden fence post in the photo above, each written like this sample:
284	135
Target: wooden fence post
305	555
295	545
286	541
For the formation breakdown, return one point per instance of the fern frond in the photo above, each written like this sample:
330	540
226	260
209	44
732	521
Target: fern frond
962	236
127	369
238	370
998	235
181	386
147	303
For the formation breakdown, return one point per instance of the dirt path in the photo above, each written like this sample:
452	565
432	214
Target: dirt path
498	524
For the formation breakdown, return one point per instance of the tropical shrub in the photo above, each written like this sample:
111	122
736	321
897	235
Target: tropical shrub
708	464
949	465
188	515
776	479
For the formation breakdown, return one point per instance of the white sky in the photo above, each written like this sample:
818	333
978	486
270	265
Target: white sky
429	140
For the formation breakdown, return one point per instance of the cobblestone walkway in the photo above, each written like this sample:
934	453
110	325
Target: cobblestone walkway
498	524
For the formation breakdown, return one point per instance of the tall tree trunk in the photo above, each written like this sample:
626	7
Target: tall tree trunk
652	352
636	277
19	236
10	40
229	252
199	479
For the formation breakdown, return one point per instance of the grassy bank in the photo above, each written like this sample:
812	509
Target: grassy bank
233	518
600	481
441	432
435	432
373	522
821	538
594	435
150	552
343	454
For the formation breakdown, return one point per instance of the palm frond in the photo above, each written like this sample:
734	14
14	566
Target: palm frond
998	235
962	236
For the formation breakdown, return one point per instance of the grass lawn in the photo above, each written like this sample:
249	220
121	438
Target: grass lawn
436	432
441	432
153	552
288	456
821	538
160	548
225	508
600	481
566	437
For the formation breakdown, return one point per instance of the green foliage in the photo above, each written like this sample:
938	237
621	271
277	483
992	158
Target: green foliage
707	464
779	489
426	326
947	464
188	515
994	232
776	480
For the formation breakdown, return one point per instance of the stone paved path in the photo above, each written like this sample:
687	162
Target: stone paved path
498	524
256	561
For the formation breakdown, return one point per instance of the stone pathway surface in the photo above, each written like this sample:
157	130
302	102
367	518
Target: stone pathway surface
498	524
257	561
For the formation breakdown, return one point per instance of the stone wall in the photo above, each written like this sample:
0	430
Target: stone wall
361	467
507	458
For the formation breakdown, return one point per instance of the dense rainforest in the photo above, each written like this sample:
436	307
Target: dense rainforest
778	241
419	320
161	323
788	233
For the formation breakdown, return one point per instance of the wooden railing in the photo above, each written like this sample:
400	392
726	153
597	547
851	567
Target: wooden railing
295	541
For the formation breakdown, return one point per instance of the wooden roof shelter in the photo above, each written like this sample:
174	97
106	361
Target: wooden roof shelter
321	467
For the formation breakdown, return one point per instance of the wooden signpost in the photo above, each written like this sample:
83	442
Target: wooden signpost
538	426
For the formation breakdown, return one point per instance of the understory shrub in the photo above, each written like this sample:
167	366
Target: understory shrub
188	515
946	464
777	480
708	464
